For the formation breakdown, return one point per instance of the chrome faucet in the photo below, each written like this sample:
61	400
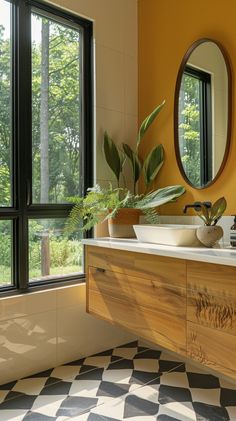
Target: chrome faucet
197	206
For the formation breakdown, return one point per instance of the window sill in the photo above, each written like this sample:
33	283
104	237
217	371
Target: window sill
43	287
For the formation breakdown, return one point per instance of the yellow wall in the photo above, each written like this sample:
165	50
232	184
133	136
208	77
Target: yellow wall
166	30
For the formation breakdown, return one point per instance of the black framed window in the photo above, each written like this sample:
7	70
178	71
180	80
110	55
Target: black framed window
45	140
195	114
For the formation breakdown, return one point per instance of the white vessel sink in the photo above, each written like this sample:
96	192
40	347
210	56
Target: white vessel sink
167	234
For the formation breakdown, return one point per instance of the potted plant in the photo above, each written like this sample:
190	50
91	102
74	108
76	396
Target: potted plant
120	206
210	233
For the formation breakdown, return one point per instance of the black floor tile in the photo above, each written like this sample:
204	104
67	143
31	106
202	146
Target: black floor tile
210	412
20	402
73	406
137	407
113	390
203	381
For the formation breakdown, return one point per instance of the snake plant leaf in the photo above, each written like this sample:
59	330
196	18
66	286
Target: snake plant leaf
217	209
112	156
148	121
153	164
161	196
135	161
122	157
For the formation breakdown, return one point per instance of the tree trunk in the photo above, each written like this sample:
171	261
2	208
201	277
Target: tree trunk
44	114
45	254
44	143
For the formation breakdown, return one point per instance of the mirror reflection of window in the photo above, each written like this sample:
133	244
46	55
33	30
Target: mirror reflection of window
195	125
202	113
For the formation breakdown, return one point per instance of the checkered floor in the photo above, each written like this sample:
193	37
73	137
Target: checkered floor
130	383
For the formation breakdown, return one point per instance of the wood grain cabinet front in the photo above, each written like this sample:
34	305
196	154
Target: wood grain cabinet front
135	291
211	316
211	296
213	348
157	268
185	306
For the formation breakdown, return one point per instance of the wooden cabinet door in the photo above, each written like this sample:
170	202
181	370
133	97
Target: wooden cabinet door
211	296
163	269
142	293
165	330
136	291
212	348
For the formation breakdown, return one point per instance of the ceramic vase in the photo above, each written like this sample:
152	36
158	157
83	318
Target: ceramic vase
209	236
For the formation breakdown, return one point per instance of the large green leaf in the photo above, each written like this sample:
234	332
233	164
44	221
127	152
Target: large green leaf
148	121
112	156
161	196
218	208
135	161
153	164
203	213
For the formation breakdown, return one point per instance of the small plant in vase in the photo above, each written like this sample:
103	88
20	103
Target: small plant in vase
119	205
211	233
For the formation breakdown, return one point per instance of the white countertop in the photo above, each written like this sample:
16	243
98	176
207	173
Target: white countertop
219	256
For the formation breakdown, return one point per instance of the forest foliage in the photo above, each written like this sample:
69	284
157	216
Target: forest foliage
61	133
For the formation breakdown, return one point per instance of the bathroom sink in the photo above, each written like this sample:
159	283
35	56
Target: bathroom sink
167	234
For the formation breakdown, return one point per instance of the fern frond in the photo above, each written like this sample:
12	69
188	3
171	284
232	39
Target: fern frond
151	216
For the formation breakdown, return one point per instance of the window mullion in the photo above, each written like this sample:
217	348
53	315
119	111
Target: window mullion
23	80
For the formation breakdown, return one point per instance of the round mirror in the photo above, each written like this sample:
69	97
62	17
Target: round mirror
203	113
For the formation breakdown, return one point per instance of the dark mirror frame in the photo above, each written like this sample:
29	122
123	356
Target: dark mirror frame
176	110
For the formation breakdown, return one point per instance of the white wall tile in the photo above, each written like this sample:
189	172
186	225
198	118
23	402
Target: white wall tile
27	304
27	345
115	21
110	78
131	27
131	85
81	334
131	130
71	295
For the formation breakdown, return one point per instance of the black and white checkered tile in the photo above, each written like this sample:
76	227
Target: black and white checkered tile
126	383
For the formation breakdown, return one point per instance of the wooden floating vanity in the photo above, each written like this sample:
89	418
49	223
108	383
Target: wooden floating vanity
184	305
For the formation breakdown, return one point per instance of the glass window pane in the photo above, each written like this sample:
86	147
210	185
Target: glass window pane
189	128
6	253
5	103
56	130
52	252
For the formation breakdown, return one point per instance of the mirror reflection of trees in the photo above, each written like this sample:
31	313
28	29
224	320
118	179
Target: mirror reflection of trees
189	128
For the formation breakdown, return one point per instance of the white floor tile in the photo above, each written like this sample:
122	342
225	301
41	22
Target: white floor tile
32	386
66	372
174	379
117	376
86	388
12	415
208	396
178	411
149	393
128	353
100	361
143	364
48	405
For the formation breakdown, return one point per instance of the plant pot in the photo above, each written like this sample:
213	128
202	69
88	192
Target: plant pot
209	236
121	226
